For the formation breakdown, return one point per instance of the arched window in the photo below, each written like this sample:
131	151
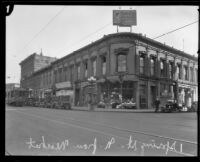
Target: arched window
152	71
141	65
78	72
121	62
162	68
86	69
170	70
94	67
103	59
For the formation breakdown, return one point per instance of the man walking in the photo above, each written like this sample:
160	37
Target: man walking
157	103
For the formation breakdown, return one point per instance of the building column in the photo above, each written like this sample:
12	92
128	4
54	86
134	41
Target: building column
158	66
89	67
108	62
82	70
181	70
148	95
137	91
158	89
167	68
98	66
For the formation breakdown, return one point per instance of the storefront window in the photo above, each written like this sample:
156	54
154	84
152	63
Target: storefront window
143	100
121	63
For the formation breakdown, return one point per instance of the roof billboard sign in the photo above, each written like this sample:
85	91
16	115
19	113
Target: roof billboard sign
124	17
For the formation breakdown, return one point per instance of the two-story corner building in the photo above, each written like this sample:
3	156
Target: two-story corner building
132	64
137	67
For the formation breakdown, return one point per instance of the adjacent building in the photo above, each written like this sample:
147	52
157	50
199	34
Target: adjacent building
31	64
136	66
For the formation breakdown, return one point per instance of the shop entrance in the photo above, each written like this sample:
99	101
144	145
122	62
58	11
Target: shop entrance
153	96
77	97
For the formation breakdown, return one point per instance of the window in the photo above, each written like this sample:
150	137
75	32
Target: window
143	98
141	64
86	69
152	62
170	70
65	73
185	73
78	72
191	74
179	71
162	68
121	63
103	65
72	73
196	75
94	67
56	76
59	74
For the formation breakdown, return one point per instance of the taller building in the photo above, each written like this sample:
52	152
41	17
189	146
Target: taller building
33	63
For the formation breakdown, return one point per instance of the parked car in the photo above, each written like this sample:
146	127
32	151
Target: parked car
126	105
193	107
171	106
114	104
101	104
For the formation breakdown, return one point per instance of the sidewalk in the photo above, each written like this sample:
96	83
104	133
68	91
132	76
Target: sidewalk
111	110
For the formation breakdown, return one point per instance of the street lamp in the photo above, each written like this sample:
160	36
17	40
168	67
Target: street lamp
91	82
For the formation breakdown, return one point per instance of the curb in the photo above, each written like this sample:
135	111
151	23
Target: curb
112	110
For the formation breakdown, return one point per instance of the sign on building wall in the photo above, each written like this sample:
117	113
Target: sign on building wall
63	85
124	17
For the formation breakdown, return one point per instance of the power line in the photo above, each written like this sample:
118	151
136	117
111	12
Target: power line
172	31
175	30
52	19
87	36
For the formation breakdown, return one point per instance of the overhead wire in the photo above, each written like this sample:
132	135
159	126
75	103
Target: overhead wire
175	30
87	36
42	29
172	31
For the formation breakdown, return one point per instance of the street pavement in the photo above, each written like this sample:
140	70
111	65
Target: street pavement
102	132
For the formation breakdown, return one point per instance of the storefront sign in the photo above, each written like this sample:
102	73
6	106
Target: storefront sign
83	84
64	93
63	85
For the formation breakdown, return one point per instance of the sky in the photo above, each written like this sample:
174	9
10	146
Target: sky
59	30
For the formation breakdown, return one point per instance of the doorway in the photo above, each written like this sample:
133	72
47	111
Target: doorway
152	96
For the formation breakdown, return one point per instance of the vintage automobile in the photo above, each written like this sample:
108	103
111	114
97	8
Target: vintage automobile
126	105
101	104
114	104
193	108
171	106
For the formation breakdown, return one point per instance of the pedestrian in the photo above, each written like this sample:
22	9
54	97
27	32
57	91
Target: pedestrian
157	103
